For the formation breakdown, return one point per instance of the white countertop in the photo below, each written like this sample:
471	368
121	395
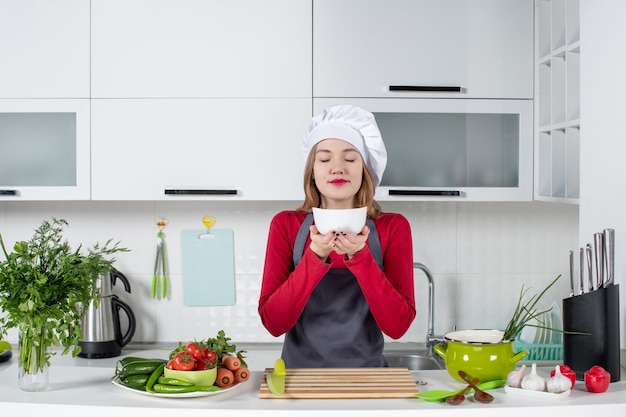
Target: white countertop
80	387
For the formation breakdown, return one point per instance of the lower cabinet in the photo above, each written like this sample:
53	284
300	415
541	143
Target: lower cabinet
190	149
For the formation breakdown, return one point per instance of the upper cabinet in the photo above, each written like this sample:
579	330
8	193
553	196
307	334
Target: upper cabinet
557	103
210	149
44	149
201	48
44	49
423	48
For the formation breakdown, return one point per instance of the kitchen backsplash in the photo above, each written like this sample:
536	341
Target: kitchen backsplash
480	254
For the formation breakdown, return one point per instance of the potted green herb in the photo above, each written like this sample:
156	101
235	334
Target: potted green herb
41	282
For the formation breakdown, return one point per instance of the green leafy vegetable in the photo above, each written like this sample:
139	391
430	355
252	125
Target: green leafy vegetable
41	282
525	311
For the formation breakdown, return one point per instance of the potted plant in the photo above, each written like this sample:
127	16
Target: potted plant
41	282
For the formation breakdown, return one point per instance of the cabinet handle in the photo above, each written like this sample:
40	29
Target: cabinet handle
435	88
437	193
200	192
9	193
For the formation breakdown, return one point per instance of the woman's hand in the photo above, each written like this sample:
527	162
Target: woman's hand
349	244
321	245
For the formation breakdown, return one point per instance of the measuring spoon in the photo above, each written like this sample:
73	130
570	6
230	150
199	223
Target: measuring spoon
441	394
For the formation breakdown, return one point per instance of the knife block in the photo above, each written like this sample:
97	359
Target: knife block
595	313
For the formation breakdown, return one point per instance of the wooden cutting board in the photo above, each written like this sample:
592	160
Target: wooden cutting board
344	383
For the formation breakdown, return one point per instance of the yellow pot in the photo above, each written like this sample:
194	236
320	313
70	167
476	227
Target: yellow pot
481	354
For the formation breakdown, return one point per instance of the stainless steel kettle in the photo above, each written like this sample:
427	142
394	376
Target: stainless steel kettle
100	324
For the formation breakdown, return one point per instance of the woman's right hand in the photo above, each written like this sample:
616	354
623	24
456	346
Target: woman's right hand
321	244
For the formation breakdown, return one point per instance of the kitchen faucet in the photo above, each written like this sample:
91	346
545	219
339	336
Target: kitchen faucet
431	339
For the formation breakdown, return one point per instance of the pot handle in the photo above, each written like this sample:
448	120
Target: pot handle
441	349
123	339
519	355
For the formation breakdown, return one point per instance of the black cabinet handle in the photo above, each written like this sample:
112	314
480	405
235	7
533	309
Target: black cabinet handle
430	193
9	193
199	192
435	88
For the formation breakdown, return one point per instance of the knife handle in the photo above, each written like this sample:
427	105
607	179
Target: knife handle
581	288
598	241
589	268
609	254
571	273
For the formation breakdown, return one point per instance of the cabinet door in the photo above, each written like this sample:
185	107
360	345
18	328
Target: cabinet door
182	149
201	48
453	150
362	48
44	149
44	49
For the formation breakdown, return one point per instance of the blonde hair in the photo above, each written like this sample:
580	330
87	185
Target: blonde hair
364	197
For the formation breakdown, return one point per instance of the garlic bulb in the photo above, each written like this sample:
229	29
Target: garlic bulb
559	382
514	379
534	381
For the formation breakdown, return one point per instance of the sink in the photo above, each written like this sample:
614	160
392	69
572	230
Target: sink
415	362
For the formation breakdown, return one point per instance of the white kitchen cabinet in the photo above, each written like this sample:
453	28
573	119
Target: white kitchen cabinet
201	48
44	49
44	149
186	149
557	102
425	48
453	150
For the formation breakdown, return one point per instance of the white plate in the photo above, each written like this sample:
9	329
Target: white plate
541	395
182	395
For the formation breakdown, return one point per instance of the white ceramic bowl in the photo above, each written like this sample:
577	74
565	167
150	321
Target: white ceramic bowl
340	220
206	377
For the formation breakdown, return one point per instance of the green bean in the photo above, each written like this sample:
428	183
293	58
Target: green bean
178	389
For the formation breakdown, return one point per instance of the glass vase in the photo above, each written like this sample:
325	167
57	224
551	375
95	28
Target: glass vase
32	361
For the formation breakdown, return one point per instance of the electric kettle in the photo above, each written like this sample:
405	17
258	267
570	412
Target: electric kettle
100	324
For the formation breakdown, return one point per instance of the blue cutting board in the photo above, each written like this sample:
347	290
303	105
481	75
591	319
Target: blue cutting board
208	266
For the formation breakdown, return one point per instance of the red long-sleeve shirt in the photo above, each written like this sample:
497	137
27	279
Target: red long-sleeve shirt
389	293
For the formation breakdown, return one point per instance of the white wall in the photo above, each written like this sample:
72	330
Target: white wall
480	255
603	139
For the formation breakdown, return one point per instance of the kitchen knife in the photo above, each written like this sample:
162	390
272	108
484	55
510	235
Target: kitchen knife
589	269
571	273
598	241
581	289
609	253
276	379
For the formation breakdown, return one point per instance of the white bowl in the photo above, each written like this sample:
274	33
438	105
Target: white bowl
340	220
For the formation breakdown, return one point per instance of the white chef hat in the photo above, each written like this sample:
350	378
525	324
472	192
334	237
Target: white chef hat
357	127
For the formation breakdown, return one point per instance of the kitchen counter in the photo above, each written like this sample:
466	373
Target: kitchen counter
80	387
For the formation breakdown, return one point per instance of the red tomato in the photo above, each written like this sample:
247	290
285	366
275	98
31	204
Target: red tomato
195	351
597	379
200	366
210	356
183	362
566	371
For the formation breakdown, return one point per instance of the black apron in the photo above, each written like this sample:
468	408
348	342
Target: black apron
336	328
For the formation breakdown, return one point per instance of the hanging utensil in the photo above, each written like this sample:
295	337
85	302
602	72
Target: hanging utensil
609	253
160	262
598	241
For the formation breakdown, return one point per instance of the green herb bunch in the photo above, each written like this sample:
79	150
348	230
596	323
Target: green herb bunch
42	281
525	311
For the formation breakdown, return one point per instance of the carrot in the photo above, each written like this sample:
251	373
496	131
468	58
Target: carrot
242	374
231	362
225	377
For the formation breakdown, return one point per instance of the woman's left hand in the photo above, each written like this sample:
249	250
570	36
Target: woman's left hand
349	244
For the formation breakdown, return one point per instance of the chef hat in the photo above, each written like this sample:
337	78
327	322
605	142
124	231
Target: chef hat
357	127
